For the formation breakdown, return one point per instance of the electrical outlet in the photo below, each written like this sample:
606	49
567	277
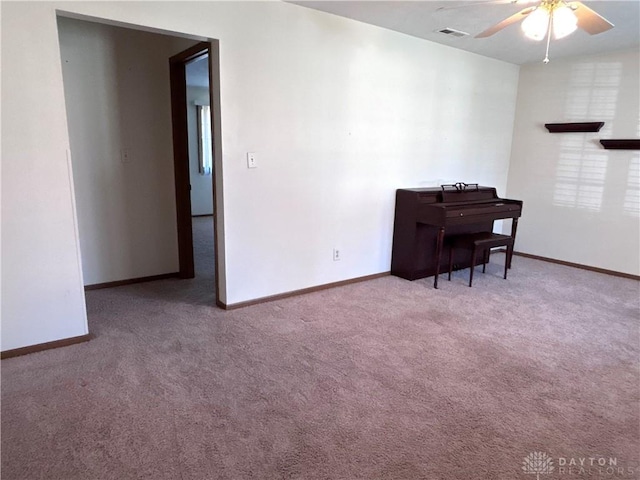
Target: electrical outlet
251	160
125	155
337	254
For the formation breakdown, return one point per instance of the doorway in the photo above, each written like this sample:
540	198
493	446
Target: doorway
201	171
195	126
120	121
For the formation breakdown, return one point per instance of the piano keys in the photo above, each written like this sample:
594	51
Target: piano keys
426	217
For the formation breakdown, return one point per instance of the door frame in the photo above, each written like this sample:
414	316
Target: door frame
178	83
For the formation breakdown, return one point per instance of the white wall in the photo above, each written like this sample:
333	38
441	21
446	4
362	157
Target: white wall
581	202
117	96
339	113
42	292
201	185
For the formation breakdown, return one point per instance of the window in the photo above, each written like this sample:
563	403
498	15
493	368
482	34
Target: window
581	174
204	140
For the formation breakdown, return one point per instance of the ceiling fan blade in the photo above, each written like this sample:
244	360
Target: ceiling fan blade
506	22
588	20
484	2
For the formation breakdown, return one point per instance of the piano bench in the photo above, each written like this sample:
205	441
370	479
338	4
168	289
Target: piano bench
483	241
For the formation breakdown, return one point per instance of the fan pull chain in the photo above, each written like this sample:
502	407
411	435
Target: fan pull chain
546	55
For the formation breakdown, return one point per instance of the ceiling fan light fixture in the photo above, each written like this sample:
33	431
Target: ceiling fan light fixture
565	21
536	24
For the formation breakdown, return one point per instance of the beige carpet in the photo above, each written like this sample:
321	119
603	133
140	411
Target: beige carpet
386	379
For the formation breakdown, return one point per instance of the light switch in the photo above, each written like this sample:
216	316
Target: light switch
251	160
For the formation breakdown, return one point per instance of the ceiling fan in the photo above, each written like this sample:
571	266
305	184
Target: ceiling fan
557	16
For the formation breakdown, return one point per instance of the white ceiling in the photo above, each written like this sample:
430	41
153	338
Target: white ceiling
423	19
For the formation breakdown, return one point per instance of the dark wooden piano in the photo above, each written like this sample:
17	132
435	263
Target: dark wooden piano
426	217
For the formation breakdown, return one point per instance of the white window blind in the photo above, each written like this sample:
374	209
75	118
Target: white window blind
205	155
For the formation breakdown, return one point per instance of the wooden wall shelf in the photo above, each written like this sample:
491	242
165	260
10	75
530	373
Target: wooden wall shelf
574	127
630	144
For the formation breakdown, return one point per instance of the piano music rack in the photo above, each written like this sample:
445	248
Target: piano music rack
460	187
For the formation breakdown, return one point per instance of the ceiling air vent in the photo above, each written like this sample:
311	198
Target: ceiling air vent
453	32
